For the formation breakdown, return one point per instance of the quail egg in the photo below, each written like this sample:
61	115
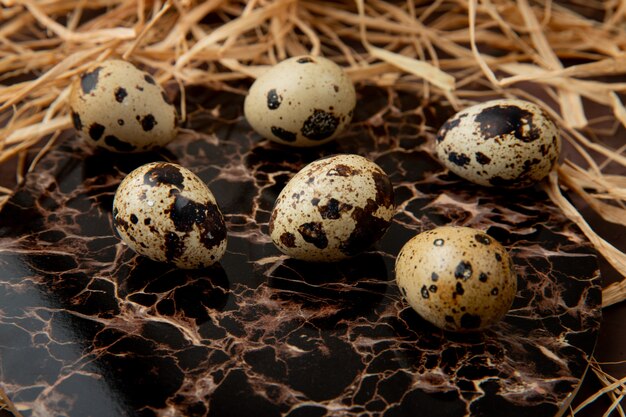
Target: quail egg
302	101
334	208
118	107
457	278
504	143
165	212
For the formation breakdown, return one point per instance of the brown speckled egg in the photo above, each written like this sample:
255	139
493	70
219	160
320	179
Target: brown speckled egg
302	101
118	107
334	208
457	278
507	143
165	212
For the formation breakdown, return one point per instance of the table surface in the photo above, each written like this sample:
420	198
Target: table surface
607	350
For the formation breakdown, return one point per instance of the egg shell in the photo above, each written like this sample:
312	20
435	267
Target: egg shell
506	143
334	208
457	278
118	107
302	101
165	212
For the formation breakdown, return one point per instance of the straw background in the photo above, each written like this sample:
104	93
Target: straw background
567	56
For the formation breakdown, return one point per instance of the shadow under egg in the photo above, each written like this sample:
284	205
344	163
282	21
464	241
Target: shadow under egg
170	291
353	288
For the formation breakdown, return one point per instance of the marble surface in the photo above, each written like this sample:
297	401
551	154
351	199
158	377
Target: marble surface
87	328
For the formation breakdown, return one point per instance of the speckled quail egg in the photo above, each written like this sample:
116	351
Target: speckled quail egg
165	212
334	208
302	101
118	107
457	278
507	143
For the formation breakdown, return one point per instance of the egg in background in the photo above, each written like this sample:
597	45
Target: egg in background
502	143
302	101
116	106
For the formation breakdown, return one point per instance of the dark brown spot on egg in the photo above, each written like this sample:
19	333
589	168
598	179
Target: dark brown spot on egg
78	124
432	288
482	277
333	209
367	229
459	159
498	257
186	213
482	159
174	246
494	291
149	79
119	222
118	145
273	99
529	164
314	201
148	122
450	319
89	81
288	239
459	289
147	221
133	219
504	119
480	238
403	291
463	271
120	94
138	87
341	170
434	276
470	321
447	126
95	131
120	122
336	88
425	293
314	233
304	60
384	189
283	134
164	173
320	125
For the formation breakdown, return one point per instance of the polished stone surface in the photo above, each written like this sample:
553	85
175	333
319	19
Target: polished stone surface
88	328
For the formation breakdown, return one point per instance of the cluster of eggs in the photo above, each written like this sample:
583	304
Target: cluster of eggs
458	278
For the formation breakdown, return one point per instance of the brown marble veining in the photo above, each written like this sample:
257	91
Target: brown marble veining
87	328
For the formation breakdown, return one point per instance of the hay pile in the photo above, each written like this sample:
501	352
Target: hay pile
564	58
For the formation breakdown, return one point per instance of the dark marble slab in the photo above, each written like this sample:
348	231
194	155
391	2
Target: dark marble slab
89	329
